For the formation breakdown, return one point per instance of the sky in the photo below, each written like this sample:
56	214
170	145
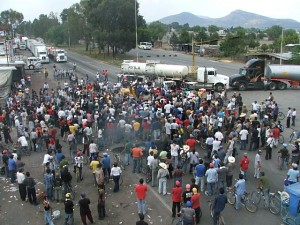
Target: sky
153	10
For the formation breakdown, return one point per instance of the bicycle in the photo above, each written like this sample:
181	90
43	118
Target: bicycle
272	205
220	219
246	201
119	161
70	190
294	134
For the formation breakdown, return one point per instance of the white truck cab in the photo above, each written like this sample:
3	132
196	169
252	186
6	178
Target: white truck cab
33	63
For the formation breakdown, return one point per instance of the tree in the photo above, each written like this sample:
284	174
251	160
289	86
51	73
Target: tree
43	24
295	56
264	47
56	35
157	30
185	38
11	19
274	32
234	44
174	39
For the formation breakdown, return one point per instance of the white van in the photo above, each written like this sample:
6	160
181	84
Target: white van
145	45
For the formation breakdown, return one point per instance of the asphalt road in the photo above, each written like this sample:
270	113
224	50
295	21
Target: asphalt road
121	207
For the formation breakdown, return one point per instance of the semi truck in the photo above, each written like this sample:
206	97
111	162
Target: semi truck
256	73
58	55
41	52
205	77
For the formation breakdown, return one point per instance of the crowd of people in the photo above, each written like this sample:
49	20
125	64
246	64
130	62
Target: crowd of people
164	124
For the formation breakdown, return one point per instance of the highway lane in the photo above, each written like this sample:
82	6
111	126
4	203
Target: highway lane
226	68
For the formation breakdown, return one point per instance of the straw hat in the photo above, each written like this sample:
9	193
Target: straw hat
186	148
231	159
243	115
163	165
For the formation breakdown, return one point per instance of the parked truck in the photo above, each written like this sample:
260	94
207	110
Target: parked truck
256	71
58	55
200	76
41	52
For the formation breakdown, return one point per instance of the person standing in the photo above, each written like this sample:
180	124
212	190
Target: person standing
22	186
284	155
127	150
57	184
244	164
219	205
154	170
12	168
141	190
195	199
174	153
188	214
137	153
293	174
294	113
176	198
93	166
240	187
243	137
200	174
162	174
47	213
100	177
257	164
288	117
30	185
101	204
270	143
141	221
85	211
69	210
48	182
116	174
212	178
106	164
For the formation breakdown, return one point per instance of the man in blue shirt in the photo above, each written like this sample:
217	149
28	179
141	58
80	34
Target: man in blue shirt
12	168
106	164
200	173
219	205
240	187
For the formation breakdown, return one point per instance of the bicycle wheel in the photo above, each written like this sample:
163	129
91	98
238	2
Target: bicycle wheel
292	136
250	206
231	197
274	205
281	139
280	116
256	196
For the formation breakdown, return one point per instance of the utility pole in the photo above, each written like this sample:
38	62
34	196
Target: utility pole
136	40
69	32
280	60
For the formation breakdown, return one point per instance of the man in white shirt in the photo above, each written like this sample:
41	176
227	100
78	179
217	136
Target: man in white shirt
167	109
174	154
269	143
22	186
219	135
294	113
243	137
288	118
24	144
115	173
257	164
93	149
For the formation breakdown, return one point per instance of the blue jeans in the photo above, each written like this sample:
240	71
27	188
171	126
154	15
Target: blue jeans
200	183
238	201
12	175
69	219
175	161
136	165
49	192
162	185
116	181
127	159
47	217
243	144
211	188
142	206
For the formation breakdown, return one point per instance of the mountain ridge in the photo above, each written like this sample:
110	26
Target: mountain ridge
234	19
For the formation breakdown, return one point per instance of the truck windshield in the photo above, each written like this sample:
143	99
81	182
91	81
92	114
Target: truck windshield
243	71
60	52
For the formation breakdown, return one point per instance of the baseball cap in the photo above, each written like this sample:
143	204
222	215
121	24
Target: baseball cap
68	195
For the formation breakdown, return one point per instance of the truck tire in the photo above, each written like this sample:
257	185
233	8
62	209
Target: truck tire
273	86
31	67
281	86
242	87
219	87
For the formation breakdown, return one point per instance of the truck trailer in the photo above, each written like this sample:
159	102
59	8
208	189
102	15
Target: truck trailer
256	71
202	76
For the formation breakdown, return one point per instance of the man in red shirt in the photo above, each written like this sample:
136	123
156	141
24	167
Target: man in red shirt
176	198
244	163
191	142
276	134
141	190
195	199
